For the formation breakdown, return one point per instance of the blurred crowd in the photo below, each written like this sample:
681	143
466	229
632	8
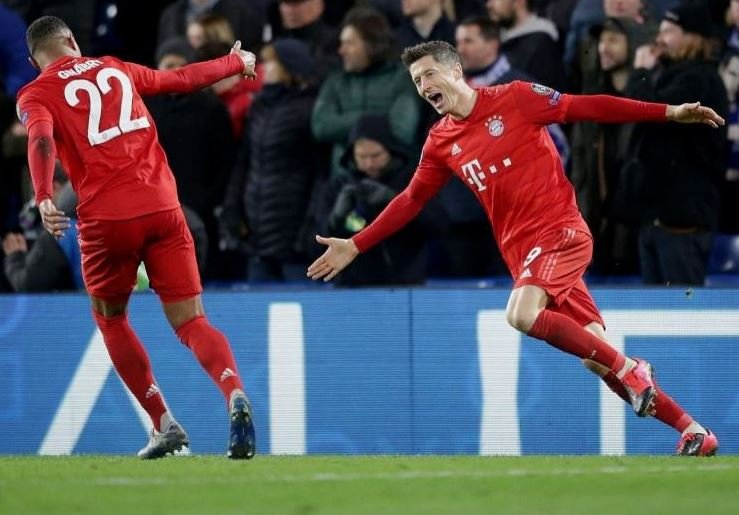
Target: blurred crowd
332	130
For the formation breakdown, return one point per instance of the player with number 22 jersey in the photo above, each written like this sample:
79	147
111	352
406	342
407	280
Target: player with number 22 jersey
89	112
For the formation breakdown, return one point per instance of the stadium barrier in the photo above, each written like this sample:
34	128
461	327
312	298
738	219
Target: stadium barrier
406	371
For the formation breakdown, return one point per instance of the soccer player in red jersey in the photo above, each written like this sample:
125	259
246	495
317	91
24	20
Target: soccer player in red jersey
89	112
495	140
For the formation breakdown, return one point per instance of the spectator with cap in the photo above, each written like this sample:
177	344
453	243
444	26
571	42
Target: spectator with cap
195	133
593	12
680	169
379	167
270	187
584	71
599	150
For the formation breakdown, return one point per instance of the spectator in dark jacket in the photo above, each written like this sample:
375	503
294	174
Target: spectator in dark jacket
195	132
51	264
278	162
599	151
531	43
305	20
680	169
423	20
729	219
379	168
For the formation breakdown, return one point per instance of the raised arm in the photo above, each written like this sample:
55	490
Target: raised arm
193	76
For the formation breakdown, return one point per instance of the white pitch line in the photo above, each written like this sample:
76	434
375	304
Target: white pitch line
413	475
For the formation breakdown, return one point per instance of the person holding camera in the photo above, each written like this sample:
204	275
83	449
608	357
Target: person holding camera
379	169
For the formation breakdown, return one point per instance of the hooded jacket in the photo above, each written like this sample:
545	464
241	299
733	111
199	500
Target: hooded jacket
401	258
533	48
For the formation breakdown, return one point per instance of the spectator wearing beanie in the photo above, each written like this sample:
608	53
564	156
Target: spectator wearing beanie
678	170
379	167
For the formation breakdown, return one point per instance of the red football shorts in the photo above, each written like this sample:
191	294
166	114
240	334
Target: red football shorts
556	264
112	250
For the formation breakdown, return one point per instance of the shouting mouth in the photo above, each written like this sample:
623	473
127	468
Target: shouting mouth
436	99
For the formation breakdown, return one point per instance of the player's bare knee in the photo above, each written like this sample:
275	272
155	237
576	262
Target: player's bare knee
108	309
180	312
591	365
521	319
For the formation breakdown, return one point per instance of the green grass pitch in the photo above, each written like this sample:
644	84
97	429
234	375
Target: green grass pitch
362	485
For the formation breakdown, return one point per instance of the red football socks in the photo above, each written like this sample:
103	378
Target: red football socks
563	333
666	409
132	364
213	352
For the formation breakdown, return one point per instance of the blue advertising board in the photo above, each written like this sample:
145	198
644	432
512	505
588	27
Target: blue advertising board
402	371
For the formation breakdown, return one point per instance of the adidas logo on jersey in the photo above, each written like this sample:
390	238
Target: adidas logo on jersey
227	372
456	150
526	273
152	391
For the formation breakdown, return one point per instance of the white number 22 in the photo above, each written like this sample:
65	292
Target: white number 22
125	123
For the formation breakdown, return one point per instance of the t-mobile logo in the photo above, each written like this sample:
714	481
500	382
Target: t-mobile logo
474	174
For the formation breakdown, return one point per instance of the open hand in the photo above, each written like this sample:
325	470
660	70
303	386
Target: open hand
249	60
55	221
338	255
694	113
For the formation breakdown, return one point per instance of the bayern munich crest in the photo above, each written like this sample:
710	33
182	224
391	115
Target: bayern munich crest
495	126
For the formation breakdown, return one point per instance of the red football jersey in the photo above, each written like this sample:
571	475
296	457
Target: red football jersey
105	136
503	152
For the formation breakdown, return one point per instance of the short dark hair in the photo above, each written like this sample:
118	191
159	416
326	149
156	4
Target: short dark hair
43	30
374	30
441	51
489	30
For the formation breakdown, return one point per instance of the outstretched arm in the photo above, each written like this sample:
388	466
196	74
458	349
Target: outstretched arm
610	109
193	76
401	210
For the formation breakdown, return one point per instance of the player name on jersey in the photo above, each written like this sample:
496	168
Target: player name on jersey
79	68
